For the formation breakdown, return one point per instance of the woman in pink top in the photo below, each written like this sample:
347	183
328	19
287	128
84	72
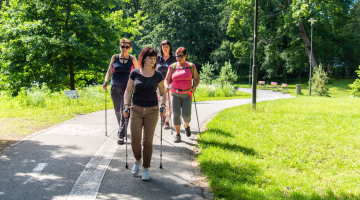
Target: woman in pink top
180	76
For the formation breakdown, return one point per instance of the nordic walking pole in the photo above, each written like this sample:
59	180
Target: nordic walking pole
126	122
196	114
105	115
161	124
170	112
161	144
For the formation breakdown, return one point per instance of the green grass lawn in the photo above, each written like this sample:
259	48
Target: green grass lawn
300	148
338	89
18	119
238	95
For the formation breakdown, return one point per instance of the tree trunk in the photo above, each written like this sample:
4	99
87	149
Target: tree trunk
72	76
305	36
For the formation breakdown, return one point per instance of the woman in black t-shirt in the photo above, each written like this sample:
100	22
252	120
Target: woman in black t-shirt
165	59
144	108
119	69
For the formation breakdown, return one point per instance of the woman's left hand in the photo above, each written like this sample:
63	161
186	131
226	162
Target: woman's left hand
193	89
163	109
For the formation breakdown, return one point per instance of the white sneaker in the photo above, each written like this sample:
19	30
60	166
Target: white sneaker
135	169
145	176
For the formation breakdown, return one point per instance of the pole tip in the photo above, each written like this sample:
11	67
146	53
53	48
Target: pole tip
160	166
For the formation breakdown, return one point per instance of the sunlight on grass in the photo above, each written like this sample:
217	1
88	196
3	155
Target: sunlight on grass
238	95
337	89
19	117
301	148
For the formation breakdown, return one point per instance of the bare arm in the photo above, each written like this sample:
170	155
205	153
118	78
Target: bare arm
162	96
167	80
127	95
135	62
196	80
109	73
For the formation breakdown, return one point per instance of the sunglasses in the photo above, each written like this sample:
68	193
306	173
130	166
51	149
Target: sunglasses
181	56
125	47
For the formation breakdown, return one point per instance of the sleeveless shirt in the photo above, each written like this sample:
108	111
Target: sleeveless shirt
121	71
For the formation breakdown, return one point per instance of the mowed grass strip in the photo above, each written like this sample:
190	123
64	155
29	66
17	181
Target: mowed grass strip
18	120
337	89
300	148
238	95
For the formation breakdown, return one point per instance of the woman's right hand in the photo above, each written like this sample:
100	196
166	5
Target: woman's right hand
105	86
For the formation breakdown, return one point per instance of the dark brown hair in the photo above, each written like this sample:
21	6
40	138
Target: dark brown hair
146	52
125	41
181	49
166	42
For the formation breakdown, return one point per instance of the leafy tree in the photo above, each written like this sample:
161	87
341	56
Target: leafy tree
60	42
194	24
284	39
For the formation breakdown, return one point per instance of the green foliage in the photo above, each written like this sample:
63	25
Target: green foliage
319	81
206	72
276	152
194	24
227	75
283	32
355	87
64	44
215	90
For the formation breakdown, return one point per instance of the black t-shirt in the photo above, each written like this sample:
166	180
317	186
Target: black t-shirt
145	88
163	65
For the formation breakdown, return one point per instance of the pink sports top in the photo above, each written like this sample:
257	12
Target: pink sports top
181	78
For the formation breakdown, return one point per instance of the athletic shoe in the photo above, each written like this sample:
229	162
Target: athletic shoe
188	132
135	169
177	138
145	176
121	141
167	126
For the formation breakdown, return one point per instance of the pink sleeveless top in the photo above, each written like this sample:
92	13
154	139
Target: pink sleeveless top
181	78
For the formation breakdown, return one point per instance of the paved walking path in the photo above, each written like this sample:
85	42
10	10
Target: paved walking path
75	160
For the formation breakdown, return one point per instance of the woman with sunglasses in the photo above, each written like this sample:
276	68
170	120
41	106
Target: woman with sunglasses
180	75
166	57
144	108
119	70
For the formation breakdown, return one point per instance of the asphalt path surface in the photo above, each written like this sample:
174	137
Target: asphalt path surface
75	160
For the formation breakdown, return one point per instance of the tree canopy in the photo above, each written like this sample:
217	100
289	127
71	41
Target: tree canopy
61	43
68	44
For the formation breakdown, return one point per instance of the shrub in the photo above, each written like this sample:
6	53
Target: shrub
227	75
319	80
355	87
206	73
215	90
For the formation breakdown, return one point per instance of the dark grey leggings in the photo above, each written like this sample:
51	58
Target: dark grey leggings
181	104
117	96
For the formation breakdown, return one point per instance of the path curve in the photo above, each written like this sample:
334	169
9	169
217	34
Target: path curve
63	162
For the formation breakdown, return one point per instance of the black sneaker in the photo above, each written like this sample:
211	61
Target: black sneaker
188	132
121	141
177	138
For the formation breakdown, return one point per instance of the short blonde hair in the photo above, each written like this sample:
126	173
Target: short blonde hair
125	41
